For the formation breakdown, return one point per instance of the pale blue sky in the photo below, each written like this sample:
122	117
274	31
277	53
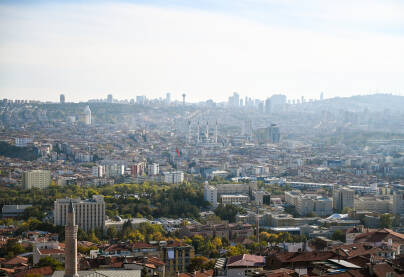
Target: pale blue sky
207	49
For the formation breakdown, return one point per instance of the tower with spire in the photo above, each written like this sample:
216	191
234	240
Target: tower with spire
207	131
71	243
216	132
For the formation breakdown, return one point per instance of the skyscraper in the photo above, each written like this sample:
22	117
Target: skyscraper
71	243
62	99
109	98
87	115
268	105
168	98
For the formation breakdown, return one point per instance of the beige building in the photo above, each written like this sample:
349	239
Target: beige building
90	213
36	179
234	199
398	202
343	198
378	204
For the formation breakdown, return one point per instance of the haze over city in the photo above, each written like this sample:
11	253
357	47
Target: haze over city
244	138
207	49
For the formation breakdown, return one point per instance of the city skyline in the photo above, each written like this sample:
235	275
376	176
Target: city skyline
205	49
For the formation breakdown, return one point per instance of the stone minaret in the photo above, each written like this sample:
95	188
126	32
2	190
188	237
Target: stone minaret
71	243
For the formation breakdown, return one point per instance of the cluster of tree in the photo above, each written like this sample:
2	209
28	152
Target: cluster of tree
276	238
12	248
208	247
49	261
200	263
145	232
228	212
29	153
129	200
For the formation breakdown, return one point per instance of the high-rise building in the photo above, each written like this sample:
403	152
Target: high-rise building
234	100
343	198
87	115
109	98
398	202
137	169
89	214
210	195
268	105
71	242
36	179
321	96
168	98
274	133
153	169
278	102
174	177
62	98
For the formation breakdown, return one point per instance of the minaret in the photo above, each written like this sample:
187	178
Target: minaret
197	132
71	243
207	131
189	132
216	132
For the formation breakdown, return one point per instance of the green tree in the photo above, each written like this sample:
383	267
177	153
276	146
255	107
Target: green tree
238	249
386	221
49	261
338	235
197	263
112	233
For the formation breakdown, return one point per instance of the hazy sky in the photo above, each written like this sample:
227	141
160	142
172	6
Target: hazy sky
207	49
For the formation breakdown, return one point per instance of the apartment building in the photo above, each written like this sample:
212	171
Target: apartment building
343	198
36	179
378	204
234	199
90	213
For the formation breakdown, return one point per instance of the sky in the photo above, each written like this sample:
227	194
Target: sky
205	49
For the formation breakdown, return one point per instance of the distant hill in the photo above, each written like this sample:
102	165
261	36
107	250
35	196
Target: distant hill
23	153
375	102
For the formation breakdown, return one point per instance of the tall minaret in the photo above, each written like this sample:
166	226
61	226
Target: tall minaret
216	132
207	131
71	243
189	132
197	132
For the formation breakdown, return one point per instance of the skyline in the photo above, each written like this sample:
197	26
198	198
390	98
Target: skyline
207	49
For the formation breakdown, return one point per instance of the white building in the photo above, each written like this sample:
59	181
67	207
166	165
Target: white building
153	169
309	203
234	199
378	204
90	213
87	115
114	169
210	195
36	179
24	141
174	177
98	171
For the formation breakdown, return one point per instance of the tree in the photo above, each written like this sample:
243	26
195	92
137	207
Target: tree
92	237
197	263
386	221
198	242
49	261
236	250
32	212
112	233
228	212
338	235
